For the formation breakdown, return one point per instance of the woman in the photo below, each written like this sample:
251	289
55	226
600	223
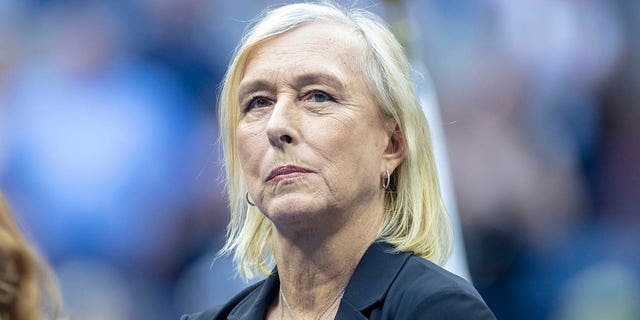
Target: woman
331	176
27	287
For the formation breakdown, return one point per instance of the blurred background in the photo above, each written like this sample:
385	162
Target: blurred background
109	156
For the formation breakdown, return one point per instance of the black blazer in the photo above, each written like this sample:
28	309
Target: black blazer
384	285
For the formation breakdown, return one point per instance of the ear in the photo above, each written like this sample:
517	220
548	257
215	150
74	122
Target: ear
396	149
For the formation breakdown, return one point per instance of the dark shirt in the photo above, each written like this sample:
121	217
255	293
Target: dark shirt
384	285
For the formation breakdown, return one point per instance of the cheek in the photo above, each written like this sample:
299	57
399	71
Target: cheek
349	149
250	148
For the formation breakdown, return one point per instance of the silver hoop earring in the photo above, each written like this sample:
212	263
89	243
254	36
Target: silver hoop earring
249	200
386	182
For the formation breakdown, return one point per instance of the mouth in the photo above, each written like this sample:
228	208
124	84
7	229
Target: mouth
286	173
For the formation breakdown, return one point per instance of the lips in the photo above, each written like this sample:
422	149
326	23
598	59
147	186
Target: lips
286	172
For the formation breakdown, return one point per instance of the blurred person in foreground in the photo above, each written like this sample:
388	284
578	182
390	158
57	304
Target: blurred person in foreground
330	174
28	289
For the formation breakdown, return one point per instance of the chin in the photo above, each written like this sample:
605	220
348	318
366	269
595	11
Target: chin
293	211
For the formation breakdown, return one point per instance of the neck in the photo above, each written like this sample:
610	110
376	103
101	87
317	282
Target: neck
315	266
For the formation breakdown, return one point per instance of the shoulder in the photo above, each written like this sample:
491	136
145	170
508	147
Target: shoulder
425	277
221	311
423	289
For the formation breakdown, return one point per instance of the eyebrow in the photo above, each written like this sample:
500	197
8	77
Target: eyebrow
302	80
254	85
322	78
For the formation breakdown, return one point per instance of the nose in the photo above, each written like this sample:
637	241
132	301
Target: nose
282	124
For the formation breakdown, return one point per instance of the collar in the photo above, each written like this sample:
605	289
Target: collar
368	285
256	304
374	274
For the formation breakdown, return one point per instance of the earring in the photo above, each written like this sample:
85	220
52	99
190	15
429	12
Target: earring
249	200
386	181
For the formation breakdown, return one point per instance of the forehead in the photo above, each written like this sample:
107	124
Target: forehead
317	46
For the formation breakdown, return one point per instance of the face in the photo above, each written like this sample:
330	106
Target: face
310	139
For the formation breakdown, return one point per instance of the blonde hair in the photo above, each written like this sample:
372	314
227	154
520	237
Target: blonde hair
415	217
28	289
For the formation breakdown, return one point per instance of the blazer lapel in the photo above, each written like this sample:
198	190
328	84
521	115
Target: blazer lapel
371	279
347	311
255	306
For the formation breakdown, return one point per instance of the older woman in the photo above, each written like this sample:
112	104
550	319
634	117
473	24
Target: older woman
331	176
28	290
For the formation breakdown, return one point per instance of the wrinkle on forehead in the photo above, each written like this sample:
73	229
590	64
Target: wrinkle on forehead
304	39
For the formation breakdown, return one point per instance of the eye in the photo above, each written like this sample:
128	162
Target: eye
258	102
319	96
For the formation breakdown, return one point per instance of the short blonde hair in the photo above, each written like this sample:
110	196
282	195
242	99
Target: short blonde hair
28	290
415	217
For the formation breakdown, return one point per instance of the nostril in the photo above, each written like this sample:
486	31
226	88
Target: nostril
285	138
